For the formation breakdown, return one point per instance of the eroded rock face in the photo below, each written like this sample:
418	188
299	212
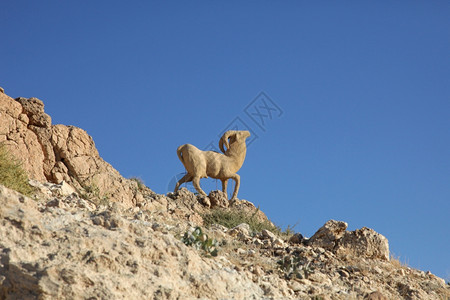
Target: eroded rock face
59	153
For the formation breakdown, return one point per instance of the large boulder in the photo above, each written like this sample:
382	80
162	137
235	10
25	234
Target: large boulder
365	242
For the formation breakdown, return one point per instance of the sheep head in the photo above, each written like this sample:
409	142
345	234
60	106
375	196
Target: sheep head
232	136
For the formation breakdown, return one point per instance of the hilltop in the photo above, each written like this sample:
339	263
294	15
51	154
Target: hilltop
82	231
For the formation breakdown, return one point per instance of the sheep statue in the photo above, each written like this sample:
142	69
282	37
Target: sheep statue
201	164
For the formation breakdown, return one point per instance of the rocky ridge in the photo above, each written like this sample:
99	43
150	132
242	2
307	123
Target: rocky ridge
56	153
89	233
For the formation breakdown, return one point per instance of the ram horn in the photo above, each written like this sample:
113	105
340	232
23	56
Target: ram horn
224	140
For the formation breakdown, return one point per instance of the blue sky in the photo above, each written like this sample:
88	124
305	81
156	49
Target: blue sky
361	134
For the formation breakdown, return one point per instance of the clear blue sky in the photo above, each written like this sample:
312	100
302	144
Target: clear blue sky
363	130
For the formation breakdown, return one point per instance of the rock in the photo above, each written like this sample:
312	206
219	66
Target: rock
257	242
63	189
2	90
376	296
319	277
344	273
54	203
278	243
258	271
266	234
328	235
241	251
242	230
205	201
18	139
34	109
365	242
218	199
296	286
297	238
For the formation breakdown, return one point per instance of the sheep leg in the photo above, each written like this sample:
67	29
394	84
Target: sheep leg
224	186
237	180
196	182
185	178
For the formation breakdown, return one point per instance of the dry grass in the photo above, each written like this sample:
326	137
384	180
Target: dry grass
12	175
232	217
395	261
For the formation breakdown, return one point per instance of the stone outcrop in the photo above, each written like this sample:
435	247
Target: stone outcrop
328	235
57	153
365	242
361	242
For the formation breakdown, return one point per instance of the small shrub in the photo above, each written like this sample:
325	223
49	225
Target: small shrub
232	217
199	240
12	174
92	193
395	260
293	267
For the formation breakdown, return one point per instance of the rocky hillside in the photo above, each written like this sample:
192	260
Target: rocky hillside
88	233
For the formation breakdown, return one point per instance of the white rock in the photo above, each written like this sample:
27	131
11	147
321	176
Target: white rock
268	234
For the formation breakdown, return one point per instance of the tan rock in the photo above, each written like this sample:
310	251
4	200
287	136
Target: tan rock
218	199
34	109
278	243
267	234
376	296
242	229
328	235
319	277
365	242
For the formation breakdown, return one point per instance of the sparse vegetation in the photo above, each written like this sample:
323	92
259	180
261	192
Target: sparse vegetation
232	217
139	181
293	267
12	175
395	260
92	193
199	240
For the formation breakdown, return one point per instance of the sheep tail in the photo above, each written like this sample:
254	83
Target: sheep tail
179	153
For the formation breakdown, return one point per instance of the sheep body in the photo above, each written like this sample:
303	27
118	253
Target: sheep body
202	164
